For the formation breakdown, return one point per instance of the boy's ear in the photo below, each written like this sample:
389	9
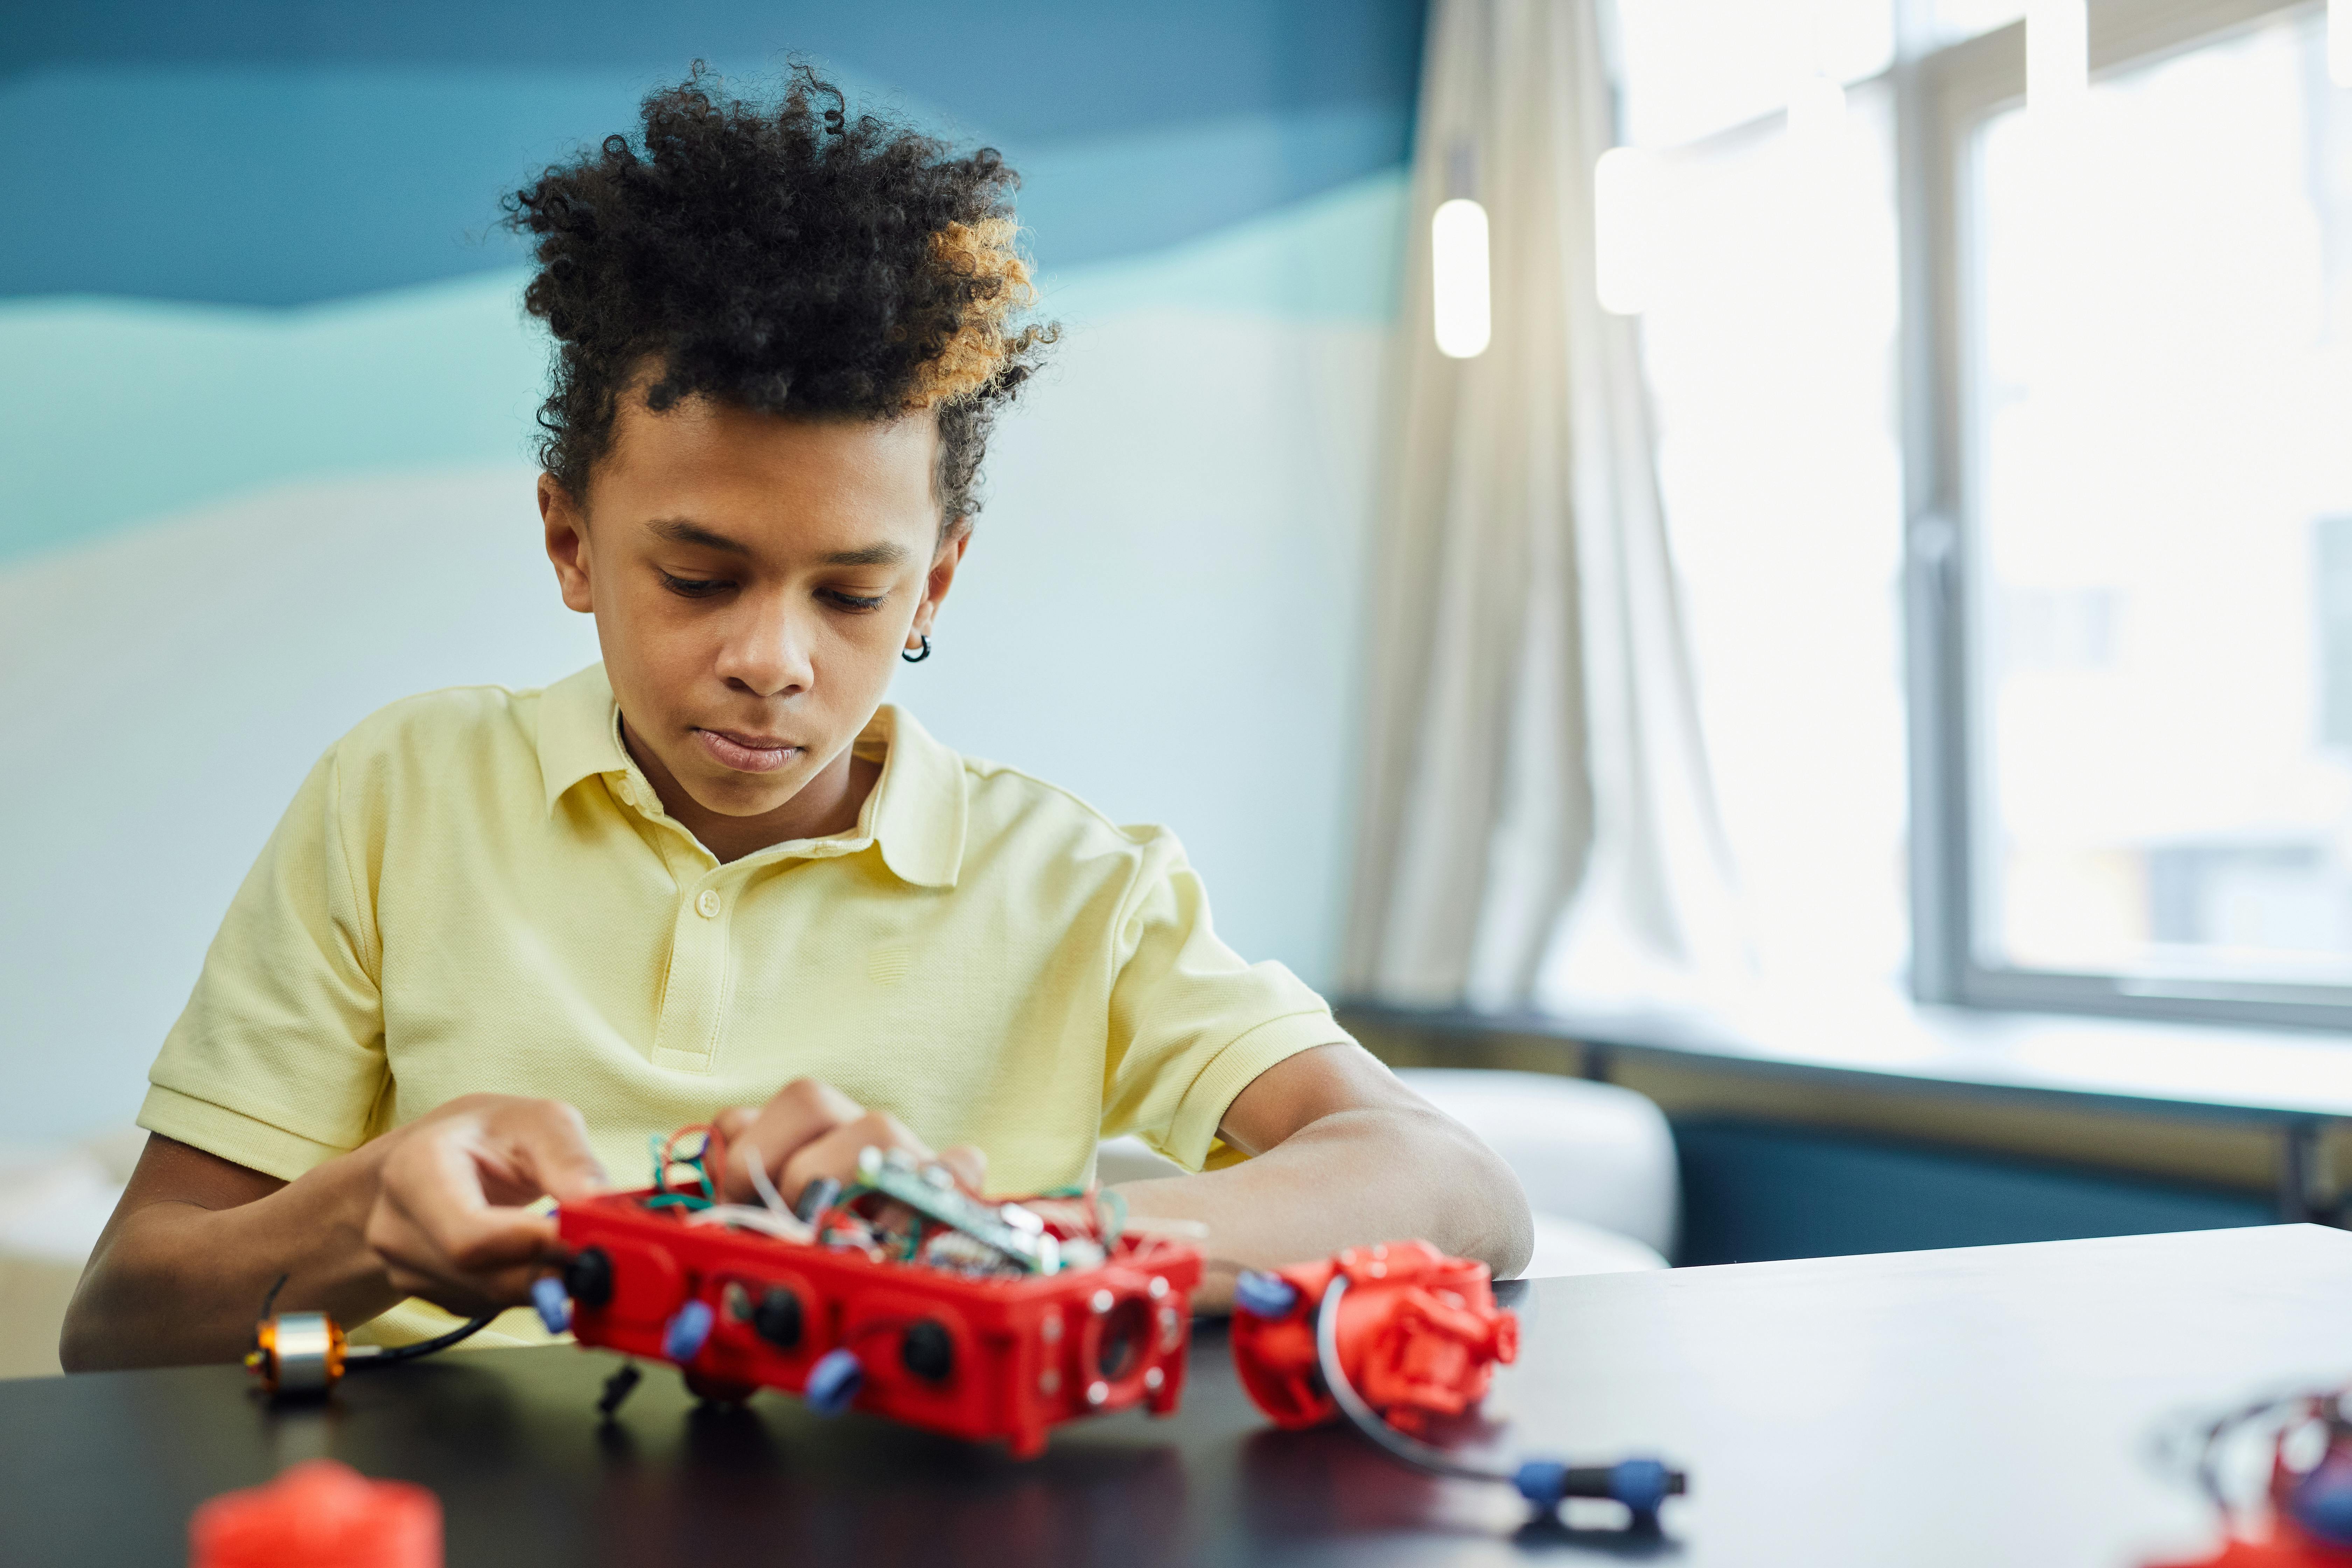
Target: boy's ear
567	543
942	575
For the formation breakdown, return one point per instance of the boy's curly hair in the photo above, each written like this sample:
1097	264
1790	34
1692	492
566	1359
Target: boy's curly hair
794	259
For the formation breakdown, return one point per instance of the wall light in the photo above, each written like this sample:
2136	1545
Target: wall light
2339	42
2057	55
1624	186
1458	278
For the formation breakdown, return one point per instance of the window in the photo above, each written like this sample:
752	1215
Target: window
2150	392
1770	353
2039	441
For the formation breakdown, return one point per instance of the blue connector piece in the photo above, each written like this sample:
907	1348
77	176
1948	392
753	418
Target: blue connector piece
554	1306
683	1340
833	1382
1542	1482
2321	1501
1263	1294
1642	1485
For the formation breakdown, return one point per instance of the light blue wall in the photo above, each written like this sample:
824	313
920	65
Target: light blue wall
269	469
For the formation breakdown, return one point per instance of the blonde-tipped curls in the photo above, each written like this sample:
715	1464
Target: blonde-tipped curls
982	341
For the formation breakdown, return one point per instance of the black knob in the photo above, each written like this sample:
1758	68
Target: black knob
588	1277
777	1318
927	1350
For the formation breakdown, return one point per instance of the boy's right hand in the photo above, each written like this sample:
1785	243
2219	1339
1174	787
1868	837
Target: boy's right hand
448	1219
809	1129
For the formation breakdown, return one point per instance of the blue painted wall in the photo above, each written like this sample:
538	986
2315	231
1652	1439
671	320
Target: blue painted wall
263	447
279	153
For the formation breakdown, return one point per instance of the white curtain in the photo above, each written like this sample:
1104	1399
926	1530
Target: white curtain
1537	817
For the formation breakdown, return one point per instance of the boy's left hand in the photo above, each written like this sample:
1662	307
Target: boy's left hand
809	1129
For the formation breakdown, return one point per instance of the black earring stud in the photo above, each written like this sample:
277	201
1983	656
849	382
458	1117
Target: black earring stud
918	657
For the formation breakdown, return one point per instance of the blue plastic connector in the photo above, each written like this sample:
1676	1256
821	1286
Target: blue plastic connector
1263	1295
2321	1501
833	1382
1642	1485
547	1294
1542	1482
683	1340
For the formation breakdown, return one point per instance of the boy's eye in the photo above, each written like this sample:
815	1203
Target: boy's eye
692	587
856	601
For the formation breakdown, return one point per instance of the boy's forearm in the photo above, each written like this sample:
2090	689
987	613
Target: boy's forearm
174	1283
1351	1178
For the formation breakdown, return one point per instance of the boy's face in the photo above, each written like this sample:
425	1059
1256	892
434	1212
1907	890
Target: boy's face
753	579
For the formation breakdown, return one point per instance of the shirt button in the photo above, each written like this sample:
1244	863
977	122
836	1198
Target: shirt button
708	903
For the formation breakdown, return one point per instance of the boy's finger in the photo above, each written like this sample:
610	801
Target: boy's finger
796	1116
434	1215
835	1154
970	1165
549	1141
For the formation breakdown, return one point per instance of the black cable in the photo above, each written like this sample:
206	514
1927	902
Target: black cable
386	1355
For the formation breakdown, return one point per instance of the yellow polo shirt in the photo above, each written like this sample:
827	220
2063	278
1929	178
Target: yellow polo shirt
477	890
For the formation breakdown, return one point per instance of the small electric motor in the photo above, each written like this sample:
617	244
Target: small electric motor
302	1355
297	1354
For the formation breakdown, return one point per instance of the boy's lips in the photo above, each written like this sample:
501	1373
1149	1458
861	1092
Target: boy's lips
746	753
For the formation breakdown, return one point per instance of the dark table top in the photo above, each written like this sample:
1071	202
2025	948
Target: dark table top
1988	1405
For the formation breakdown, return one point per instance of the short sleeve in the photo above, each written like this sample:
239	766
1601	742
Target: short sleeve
278	1060
1192	1024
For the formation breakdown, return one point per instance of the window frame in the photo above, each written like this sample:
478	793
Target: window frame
1942	96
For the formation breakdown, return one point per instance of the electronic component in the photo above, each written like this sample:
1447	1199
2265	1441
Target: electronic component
902	1295
1393	1337
931	1191
302	1355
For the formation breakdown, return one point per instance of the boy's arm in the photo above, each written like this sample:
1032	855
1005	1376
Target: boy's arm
1344	1156
431	1209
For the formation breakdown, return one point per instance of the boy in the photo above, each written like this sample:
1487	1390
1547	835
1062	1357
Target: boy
500	937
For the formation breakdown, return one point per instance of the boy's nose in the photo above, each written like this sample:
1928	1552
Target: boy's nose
767	655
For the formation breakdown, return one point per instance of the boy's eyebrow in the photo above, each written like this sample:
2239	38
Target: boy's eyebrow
677	530
883	554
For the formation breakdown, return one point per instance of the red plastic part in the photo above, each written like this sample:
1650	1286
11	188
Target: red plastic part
319	1514
1027	1353
1419	1336
2287	1544
2289	1547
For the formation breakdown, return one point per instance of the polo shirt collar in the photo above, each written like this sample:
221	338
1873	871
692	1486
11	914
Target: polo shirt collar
916	814
577	737
917	810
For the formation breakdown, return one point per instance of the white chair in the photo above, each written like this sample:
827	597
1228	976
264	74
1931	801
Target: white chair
1597	1162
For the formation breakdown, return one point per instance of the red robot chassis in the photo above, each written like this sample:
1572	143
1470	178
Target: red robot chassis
977	1358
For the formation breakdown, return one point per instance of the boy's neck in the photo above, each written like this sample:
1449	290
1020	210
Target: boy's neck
827	804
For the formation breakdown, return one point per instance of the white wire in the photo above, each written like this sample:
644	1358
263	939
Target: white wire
1361	1413
783	1227
761	1182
